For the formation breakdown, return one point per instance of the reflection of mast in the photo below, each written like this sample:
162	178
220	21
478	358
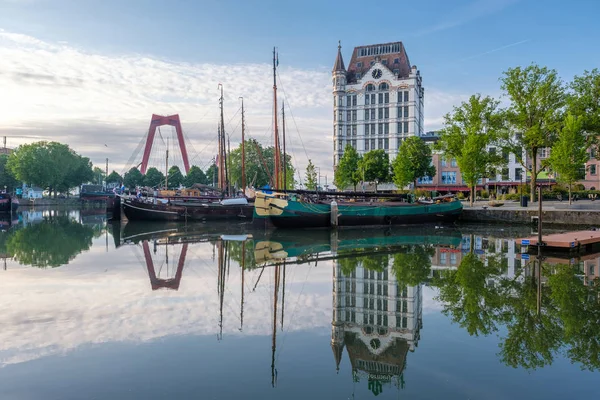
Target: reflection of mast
221	285
283	296
274	341
242	301
158	283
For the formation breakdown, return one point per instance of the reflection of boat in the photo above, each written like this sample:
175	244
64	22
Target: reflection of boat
323	244
8	203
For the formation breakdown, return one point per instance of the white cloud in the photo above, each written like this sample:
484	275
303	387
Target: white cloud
55	91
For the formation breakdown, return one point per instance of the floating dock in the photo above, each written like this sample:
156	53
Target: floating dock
567	241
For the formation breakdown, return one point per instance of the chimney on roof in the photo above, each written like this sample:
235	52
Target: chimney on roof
339	61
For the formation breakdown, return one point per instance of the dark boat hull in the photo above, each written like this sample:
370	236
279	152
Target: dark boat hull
140	211
7	204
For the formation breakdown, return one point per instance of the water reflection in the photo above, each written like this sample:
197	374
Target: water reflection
227	282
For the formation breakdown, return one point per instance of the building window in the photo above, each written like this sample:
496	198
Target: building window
366	144
406	95
386	113
354	144
354	130
505	174
348	115
380	98
340	101
372	63
380	113
386	98
425	180
518	174
396	71
380	143
334	115
453	162
386	144
340	130
593	169
366	129
348	100
384	86
373	98
353	115
367	99
372	144
370	87
380	129
386	128
372	113
444	162
354	100
396	61
340	117
405	111
358	76
399	97
448	178
359	64
384	62
366	115
406	127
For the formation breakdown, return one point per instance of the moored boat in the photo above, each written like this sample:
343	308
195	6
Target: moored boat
8	203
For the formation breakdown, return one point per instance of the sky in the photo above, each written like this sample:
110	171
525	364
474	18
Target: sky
91	74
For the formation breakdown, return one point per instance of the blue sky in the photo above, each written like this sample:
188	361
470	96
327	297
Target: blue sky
461	47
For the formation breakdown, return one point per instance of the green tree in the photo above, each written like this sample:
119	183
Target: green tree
154	178
468	132
176	178
584	100
311	176
537	96
412	162
114	177
50	165
374	166
569	153
133	178
6	176
195	175
99	175
256	158
346	172
212	175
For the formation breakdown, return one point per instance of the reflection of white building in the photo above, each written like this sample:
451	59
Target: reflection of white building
377	322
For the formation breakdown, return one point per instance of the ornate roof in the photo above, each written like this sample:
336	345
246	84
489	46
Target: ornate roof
392	55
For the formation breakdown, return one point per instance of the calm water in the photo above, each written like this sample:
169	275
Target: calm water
144	311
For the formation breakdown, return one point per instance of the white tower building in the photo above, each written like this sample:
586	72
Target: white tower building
377	101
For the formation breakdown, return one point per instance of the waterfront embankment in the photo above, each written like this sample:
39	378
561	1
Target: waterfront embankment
583	212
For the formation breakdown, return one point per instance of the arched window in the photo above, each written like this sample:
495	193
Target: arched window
370	87
384	86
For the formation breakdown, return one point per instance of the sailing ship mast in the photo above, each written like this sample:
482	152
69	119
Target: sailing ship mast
283	166
277	163
243	150
223	178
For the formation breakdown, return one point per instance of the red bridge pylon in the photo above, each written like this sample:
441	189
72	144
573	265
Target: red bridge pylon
159	120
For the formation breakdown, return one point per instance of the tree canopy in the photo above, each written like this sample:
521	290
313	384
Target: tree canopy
584	100
374	166
412	162
153	178
6	176
50	165
346	172
569	153
195	175
311	176
537	96
176	178
469	129
133	178
114	177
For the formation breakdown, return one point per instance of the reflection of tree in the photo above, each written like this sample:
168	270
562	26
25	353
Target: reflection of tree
50	243
235	252
532	337
479	298
469	301
412	265
579	309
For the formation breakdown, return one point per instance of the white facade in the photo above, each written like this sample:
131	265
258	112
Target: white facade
378	102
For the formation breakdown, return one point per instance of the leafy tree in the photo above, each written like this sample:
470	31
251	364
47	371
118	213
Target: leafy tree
195	175
569	154
51	243
133	178
468	132
346	172
212	175
584	100
374	166
6	176
537	97
153	178
256	158
412	162
99	175
176	178
50	165
114	177
311	176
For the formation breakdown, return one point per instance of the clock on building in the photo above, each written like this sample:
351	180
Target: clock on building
376	73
